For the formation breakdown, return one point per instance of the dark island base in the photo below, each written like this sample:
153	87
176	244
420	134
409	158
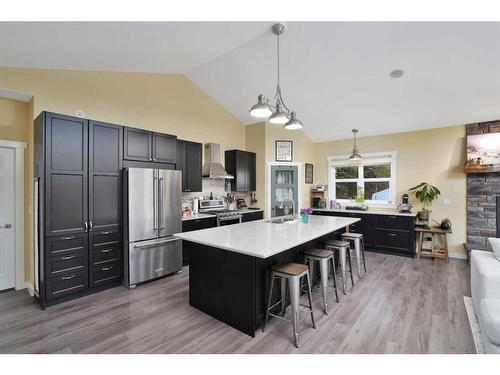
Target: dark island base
232	287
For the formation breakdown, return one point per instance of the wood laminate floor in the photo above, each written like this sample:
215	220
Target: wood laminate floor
402	305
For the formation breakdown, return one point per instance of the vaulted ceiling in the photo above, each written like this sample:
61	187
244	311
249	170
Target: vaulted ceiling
335	75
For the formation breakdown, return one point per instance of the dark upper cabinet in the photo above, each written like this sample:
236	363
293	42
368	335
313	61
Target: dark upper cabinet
105	165
164	147
188	161
242	165
137	144
143	145
66	177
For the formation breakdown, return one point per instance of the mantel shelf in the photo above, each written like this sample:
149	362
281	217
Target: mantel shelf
482	168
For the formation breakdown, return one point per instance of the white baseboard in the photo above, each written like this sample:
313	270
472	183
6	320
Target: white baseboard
30	288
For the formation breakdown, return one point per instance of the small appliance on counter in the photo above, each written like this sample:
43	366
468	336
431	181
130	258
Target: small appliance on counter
317	202
405	205
444	225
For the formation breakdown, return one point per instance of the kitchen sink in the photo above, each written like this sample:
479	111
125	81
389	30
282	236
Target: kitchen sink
282	220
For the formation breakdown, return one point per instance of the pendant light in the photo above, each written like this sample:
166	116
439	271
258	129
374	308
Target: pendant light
294	123
278	113
355	154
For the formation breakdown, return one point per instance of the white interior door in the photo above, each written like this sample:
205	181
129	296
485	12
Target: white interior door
7	249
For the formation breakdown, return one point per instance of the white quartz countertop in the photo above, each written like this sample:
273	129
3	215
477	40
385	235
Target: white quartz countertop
262	239
369	211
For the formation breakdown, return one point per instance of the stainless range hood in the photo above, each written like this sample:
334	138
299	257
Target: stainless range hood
212	167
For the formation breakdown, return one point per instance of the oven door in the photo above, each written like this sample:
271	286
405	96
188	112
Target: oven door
221	221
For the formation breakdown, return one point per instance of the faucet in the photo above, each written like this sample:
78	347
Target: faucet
293	206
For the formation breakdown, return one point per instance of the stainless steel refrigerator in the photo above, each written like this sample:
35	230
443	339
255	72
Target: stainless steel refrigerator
152	216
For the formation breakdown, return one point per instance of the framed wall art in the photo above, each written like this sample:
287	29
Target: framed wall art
284	151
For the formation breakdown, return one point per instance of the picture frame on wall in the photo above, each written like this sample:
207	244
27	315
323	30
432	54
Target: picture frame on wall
309	173
284	151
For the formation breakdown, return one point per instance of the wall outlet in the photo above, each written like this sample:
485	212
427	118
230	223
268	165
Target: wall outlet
446	201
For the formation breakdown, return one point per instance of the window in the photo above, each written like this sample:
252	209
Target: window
372	178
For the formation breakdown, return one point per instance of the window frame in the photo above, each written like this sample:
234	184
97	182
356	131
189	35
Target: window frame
336	161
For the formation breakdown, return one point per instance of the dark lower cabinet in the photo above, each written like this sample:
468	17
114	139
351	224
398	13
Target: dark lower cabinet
252	216
189	158
385	233
78	166
195	224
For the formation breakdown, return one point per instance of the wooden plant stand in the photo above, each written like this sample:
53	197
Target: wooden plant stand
435	252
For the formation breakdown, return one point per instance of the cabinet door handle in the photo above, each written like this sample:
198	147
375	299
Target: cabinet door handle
68	277
106	268
106	250
91	226
68	257
106	232
67	238
86	226
391	234
392	217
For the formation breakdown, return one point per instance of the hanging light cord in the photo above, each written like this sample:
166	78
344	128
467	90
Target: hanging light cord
278	87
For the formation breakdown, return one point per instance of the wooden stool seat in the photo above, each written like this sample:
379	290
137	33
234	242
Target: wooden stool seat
337	243
293	269
320	253
351	235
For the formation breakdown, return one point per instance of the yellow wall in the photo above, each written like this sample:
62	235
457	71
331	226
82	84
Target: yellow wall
15	123
436	156
167	103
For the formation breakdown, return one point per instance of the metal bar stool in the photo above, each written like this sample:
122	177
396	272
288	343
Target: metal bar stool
293	273
345	256
359	247
323	257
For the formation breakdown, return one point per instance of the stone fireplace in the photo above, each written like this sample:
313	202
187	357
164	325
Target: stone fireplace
483	198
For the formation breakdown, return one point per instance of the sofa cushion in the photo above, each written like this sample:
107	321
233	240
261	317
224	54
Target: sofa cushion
485	276
490	319
495	245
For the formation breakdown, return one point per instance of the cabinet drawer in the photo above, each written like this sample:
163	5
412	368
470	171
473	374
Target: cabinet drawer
251	216
62	245
105	253
105	274
395	222
70	262
197	224
112	236
395	240
69	283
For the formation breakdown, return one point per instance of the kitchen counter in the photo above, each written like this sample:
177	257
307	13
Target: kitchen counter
263	239
229	265
369	211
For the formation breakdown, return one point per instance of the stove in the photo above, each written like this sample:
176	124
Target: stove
224	216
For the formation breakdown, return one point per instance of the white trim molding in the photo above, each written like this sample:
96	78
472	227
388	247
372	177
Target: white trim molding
19	208
391	157
298	205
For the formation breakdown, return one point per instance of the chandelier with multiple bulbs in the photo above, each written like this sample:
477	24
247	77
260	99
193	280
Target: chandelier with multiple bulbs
278	113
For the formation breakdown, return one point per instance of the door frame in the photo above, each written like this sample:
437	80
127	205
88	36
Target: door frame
18	148
299	166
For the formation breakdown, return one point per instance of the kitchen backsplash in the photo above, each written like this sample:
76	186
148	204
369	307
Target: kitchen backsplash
215	186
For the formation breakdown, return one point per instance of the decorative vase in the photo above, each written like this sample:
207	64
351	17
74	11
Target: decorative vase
304	218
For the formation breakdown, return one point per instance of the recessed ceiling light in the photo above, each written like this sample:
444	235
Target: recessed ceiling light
396	73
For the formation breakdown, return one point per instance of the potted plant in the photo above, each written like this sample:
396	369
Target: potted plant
425	193
360	195
304	214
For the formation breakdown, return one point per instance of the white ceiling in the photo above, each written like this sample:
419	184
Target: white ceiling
334	75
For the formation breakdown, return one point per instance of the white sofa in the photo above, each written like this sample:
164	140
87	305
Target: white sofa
485	288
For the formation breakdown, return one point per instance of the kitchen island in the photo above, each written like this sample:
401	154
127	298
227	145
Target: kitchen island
229	265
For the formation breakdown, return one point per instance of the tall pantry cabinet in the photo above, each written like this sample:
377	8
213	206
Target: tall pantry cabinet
78	206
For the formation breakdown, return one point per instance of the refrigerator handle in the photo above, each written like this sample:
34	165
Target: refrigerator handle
155	202
160	205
